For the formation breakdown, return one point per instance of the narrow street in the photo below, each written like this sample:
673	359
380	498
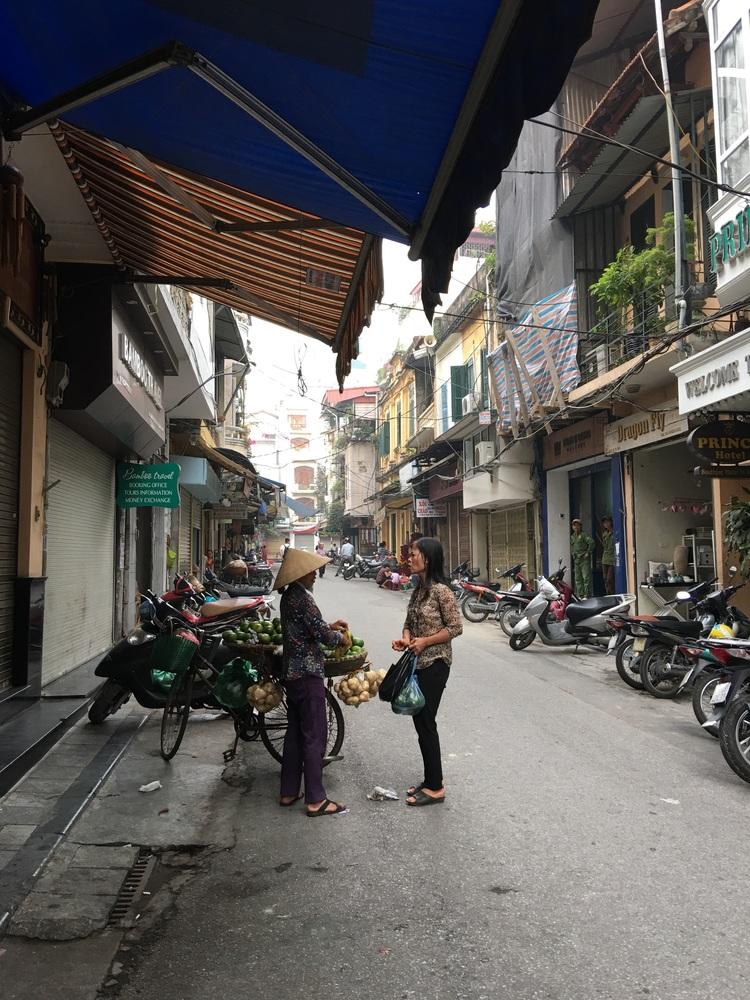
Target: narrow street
588	848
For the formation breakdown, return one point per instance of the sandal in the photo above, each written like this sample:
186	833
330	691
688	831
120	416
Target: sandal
422	799
323	809
414	789
286	805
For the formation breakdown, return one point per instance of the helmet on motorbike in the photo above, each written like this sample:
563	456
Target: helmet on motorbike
721	631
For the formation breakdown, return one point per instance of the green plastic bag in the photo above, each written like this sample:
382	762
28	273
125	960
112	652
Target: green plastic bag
410	699
162	679
232	683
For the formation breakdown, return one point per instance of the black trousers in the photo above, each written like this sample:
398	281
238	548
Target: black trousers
432	680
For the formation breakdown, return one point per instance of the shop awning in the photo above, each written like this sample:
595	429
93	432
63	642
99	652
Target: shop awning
300	508
616	169
390	118
229	343
197	446
322	282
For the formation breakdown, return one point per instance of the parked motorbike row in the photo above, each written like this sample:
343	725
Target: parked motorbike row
128	666
707	653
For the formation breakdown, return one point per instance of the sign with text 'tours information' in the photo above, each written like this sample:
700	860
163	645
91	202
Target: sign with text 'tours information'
148	485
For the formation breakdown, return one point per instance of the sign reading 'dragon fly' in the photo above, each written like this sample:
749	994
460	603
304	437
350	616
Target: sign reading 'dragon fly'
148	485
721	443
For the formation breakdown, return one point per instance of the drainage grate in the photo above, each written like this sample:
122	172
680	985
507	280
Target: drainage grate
122	913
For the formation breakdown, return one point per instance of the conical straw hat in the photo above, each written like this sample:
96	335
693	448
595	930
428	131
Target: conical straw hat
298	563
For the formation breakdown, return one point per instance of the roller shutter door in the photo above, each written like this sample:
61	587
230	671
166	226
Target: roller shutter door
183	547
464	535
79	603
508	539
10	432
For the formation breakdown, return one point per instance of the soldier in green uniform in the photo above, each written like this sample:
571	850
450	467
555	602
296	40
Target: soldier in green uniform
607	539
582	549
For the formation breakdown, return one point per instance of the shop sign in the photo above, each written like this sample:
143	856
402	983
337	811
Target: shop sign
582	440
148	485
643	428
721	443
140	369
718	373
485	418
429	508
730	241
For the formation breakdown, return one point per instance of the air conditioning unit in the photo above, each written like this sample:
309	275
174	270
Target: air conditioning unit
468	405
484	452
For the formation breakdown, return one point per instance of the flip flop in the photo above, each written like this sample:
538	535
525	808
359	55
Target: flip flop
322	809
286	805
421	799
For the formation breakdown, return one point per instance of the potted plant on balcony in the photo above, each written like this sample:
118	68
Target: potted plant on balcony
632	288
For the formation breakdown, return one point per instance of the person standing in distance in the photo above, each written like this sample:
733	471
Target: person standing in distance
607	538
347	555
582	549
432	622
320	550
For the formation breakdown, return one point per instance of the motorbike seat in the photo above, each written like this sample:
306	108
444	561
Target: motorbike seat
229	606
486	583
581	610
677	626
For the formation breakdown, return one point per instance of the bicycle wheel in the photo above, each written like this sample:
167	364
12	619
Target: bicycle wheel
273	727
176	713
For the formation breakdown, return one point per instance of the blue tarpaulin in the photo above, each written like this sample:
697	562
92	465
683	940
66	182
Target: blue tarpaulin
416	107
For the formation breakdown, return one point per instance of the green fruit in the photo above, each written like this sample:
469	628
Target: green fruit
357	642
265	639
277	621
256	627
231	637
228	635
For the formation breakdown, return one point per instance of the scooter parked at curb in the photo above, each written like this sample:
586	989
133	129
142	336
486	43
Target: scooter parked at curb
584	622
484	597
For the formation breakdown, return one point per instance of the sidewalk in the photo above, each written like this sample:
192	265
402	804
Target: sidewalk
85	856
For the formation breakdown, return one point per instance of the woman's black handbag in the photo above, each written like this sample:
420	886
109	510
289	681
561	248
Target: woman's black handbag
398	674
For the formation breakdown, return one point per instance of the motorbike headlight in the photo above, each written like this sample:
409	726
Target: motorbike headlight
138	636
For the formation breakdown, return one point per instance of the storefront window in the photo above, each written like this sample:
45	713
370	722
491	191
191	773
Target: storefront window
730	65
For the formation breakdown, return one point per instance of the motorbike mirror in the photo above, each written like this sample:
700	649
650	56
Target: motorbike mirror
683	595
732	571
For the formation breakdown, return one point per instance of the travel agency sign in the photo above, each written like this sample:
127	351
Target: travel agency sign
148	485
722	447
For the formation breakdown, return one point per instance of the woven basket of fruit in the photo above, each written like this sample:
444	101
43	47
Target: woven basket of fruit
255	640
341	661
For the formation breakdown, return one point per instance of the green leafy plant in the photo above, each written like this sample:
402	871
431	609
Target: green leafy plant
737	531
639	278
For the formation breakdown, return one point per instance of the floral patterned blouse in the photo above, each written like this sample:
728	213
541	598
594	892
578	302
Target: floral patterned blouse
303	630
429	612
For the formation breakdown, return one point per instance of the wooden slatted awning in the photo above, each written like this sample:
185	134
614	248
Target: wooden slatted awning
282	265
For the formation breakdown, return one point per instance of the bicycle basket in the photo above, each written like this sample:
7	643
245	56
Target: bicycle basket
174	651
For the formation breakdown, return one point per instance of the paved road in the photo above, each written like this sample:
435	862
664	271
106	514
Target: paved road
589	848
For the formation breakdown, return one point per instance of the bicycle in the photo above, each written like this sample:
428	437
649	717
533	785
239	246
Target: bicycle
249	725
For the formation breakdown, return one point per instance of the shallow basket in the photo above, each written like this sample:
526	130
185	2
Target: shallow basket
172	653
339	668
259	653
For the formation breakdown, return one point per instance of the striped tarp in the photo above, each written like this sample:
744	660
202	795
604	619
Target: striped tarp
557	314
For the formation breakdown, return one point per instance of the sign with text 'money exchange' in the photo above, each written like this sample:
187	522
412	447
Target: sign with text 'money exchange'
148	485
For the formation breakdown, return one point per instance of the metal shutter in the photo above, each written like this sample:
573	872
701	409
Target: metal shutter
80	552
10	431
508	539
464	536
183	546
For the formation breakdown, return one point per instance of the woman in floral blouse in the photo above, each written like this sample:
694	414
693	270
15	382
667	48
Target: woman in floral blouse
432	622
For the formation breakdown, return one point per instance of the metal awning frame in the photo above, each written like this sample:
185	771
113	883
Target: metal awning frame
176	54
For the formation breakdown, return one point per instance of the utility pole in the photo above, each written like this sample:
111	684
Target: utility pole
674	153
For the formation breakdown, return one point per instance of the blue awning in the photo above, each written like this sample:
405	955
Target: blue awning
301	508
392	118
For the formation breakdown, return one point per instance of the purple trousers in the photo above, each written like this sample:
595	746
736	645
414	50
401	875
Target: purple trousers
306	737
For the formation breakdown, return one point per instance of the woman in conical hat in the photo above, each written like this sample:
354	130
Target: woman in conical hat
304	630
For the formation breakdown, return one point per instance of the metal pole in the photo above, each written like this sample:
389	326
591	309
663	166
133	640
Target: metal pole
674	153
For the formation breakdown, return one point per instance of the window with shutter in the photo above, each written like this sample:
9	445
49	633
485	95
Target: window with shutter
398	425
443	407
484	380
458	390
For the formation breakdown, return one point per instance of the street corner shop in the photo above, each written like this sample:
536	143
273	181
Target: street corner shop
284	220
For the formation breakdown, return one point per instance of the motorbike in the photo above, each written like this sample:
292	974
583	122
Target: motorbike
584	623
367	569
459	576
127	666
222	588
630	638
665	669
485	597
